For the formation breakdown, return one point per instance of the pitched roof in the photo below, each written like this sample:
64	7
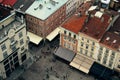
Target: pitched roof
111	40
8	2
96	26
75	23
23	5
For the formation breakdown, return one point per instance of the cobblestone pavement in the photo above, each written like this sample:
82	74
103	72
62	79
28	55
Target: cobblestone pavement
46	67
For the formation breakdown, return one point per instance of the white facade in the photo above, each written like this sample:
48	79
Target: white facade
88	46
13	44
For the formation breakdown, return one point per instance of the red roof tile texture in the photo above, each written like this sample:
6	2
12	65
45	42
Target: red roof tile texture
75	23
8	2
111	40
96	27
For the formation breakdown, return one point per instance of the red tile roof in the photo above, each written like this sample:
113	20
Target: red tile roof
111	40
8	2
96	27
75	23
1	1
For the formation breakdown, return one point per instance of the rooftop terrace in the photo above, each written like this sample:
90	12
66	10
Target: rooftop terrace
42	9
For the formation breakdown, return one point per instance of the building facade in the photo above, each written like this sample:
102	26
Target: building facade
45	16
94	43
72	5
13	43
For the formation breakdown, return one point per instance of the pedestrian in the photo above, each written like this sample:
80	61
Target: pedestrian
51	68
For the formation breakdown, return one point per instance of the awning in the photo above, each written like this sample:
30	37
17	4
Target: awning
101	71
53	34
34	38
82	63
65	54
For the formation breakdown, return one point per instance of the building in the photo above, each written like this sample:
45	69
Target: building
13	42
43	17
72	5
105	3
115	5
22	5
8	3
97	42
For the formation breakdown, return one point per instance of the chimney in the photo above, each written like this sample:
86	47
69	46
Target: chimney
102	19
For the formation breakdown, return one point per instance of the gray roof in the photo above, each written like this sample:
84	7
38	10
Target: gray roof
42	9
65	54
24	4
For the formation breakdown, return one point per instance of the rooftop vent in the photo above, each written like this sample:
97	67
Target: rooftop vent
102	19
114	41
49	7
40	6
53	2
98	14
108	38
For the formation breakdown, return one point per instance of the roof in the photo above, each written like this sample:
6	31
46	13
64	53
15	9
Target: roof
23	5
116	26
75	23
111	40
105	1
96	26
65	54
8	2
42	9
4	12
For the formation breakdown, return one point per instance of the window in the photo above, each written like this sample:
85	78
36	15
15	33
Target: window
65	37
20	34
93	43
86	52
87	41
81	43
21	42
118	66
92	49
101	48
5	54
107	50
24	57
12	40
99	57
82	38
64	44
3	47
110	65
91	54
113	54
69	34
104	61
65	32
87	46
22	48
74	36
81	50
